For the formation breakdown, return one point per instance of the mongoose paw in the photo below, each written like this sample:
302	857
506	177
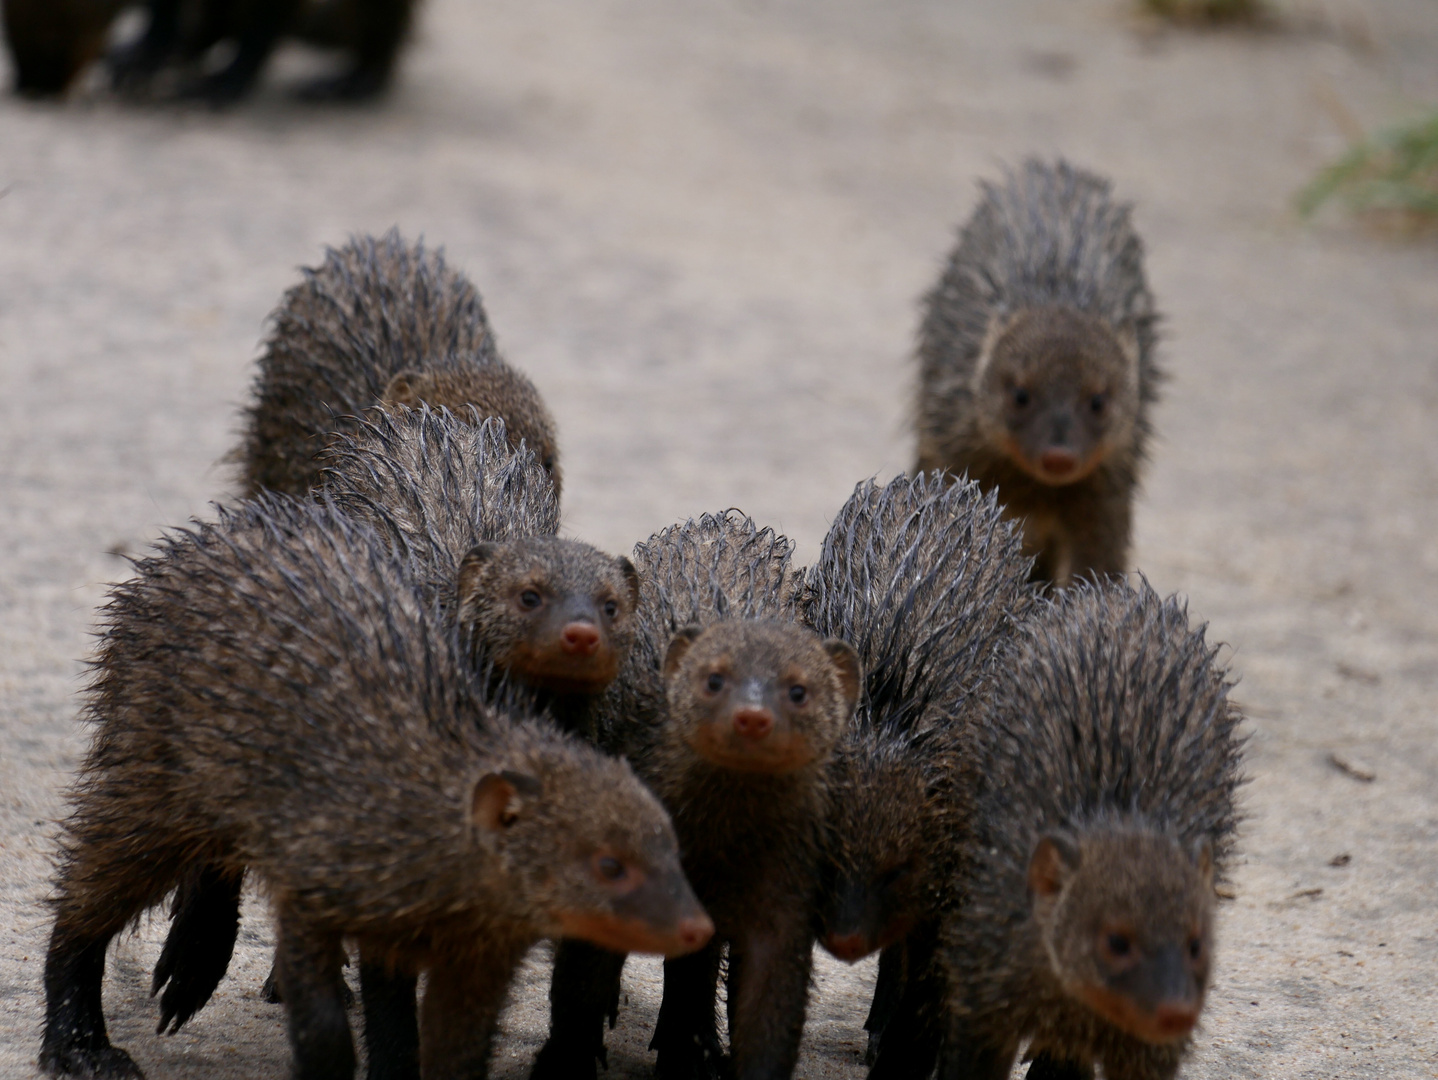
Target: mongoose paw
270	992
561	1059
89	1063
353	86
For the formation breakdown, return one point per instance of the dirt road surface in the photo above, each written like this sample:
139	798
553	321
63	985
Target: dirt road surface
703	228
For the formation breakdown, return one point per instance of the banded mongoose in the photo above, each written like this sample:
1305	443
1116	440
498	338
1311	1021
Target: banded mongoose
183	31
1036	365
925	578
1111	760
477	519
730	711
379	323
272	694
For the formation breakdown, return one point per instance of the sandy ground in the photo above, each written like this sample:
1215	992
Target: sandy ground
702	228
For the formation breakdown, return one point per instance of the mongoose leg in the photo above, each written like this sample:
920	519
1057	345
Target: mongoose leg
132	67
309	965
910	1043
966	1058
685	1035
391	1020
768	995
267	20
1147	1063
583	994
382	27
888	990
75	1042
461	1007
205	920
1047	1067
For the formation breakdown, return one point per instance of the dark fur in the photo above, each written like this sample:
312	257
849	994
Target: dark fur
378	316
717	595
925	579
273	694
1039	340
182	31
52	41
1111	762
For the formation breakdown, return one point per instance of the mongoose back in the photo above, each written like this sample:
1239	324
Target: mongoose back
925	579
1110	766
730	711
272	694
379	323
1036	365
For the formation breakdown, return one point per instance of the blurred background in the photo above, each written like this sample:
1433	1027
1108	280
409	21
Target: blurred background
703	229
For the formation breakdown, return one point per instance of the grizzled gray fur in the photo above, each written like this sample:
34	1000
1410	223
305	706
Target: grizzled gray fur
1036	364
1106	813
379	323
273	695
926	579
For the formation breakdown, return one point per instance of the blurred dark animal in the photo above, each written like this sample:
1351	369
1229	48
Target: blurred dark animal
52	41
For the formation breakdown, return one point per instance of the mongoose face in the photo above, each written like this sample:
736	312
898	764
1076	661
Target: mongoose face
493	389
881	865
557	614
760	697
1058	392
1127	922
593	848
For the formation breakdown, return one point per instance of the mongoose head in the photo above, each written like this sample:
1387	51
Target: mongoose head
878	867
52	41
494	389
587	849
760	696
556	614
1058	392
1127	922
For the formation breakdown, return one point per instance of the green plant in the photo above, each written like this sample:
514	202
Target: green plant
1393	172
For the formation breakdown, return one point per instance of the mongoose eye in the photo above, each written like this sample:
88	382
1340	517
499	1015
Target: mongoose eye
1021	396
1118	945
798	694
529	599
715	682
1096	403
610	868
611	608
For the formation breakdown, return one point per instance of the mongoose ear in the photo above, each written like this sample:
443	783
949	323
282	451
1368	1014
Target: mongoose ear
849	670
404	389
1202	853
471	568
631	578
1053	861
498	799
679	648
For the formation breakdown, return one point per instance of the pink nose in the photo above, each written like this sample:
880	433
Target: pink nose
579	638
753	723
1058	462
695	932
1175	1020
849	948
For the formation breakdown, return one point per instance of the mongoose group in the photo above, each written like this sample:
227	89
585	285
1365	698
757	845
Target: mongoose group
383	688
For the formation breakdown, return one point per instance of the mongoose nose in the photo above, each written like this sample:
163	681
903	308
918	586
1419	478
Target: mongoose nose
753	723
695	932
1175	1020
579	638
849	948
1058	462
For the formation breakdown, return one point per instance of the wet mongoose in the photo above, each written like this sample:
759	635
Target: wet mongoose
925	578
273	694
729	711
476	517
1036	365
1111	761
371	31
380	323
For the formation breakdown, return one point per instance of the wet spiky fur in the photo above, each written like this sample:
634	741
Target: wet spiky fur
373	310
272	694
1110	726
925	578
751	841
1047	239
